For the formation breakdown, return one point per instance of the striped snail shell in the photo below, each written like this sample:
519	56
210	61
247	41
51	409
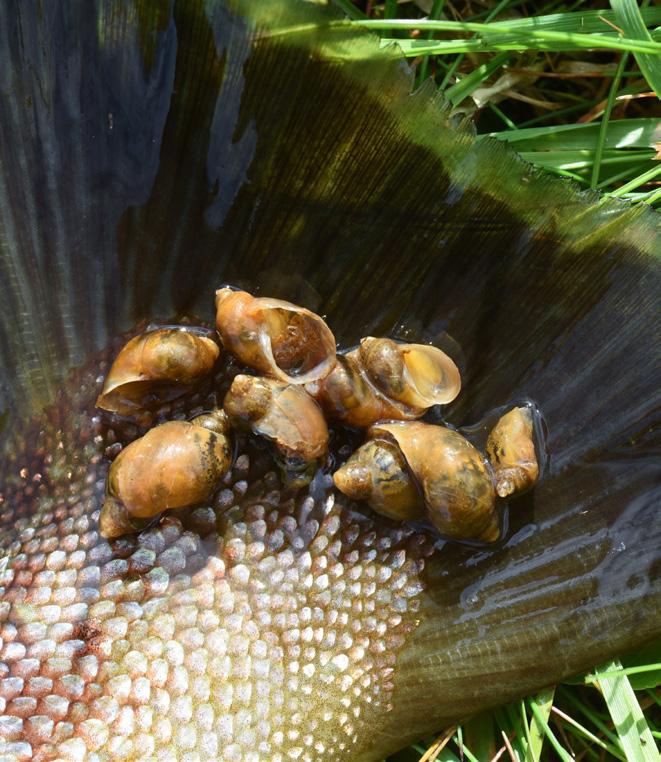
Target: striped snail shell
433	472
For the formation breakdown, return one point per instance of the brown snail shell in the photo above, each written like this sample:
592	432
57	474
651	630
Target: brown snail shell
453	481
347	395
173	465
286	415
417	375
377	472
155	367
275	337
511	451
386	380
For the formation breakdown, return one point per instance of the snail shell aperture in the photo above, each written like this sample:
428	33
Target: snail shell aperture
511	451
286	415
417	375
155	367
453	481
275	337
173	465
386	380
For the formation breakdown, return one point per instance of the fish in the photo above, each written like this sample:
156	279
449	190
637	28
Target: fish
152	152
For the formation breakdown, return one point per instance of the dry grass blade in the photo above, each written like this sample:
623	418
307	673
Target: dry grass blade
437	747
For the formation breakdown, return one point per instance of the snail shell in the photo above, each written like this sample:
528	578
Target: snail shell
286	415
377	473
417	375
347	395
155	367
277	338
511	451
173	465
386	380
453	482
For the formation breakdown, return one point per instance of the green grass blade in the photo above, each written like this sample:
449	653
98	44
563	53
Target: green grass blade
643	667
472	81
541	719
628	718
479	732
554	32
643	660
434	14
533	39
633	169
575	727
629	18
584	23
621	133
456	63
582	159
653	198
350	9
603	127
536	731
447	755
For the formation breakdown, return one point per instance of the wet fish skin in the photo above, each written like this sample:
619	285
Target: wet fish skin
261	627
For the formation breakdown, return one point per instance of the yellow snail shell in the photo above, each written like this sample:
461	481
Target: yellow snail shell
173	465
155	367
277	338
417	375
377	473
453	481
286	415
511	451
347	395
386	380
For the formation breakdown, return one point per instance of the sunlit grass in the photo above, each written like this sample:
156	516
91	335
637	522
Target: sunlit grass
592	70
572	86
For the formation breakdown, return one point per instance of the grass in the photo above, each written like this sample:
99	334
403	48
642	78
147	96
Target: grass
591	70
573	87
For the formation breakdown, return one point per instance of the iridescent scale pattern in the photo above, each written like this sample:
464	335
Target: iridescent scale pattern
264	625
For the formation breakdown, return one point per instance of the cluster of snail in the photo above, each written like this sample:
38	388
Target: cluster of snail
406	469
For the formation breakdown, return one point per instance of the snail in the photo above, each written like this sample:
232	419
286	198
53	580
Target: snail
511	451
383	379
173	465
155	367
417	375
275	337
286	415
410	469
377	472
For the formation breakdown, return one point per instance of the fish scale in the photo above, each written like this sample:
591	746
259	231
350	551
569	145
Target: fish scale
264	625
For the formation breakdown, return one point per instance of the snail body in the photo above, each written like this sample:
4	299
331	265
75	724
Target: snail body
386	380
174	465
511	451
286	415
277	338
452	480
155	367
